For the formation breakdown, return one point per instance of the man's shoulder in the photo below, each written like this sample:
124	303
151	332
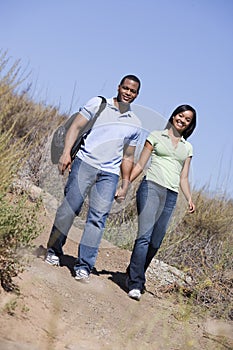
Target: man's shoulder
137	121
95	101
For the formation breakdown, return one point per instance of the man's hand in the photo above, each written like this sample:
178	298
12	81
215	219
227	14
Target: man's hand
64	163
71	135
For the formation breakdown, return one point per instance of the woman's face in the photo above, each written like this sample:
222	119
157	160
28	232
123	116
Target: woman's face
182	120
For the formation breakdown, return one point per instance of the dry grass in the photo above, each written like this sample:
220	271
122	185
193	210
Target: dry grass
202	245
26	120
24	127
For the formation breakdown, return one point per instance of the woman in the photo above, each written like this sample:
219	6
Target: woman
157	194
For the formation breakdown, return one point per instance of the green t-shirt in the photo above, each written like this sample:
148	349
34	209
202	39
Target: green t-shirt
166	160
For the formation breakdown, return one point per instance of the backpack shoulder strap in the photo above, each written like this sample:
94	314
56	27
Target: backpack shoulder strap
102	106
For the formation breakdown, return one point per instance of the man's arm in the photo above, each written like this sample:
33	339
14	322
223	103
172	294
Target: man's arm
78	124
126	168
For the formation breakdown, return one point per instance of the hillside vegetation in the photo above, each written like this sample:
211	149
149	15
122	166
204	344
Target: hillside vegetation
200	244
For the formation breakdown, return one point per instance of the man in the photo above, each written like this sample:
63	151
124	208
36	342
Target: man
107	150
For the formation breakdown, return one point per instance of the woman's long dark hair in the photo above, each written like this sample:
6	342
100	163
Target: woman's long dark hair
192	125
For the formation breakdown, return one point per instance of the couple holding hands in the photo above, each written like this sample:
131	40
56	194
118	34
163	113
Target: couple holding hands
108	152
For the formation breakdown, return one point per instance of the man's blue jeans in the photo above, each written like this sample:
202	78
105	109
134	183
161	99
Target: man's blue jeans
100	186
155	205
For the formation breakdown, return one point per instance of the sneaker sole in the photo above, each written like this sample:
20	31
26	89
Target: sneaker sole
135	298
52	263
82	280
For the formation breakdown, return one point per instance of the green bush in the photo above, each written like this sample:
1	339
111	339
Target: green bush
18	228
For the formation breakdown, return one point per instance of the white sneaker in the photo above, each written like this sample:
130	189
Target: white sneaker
82	275
52	259
135	294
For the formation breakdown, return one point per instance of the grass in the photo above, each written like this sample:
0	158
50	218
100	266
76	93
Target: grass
200	244
24	127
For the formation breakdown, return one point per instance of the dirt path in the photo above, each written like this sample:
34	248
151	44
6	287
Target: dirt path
56	312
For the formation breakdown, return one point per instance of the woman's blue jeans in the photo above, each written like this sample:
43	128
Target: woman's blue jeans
155	205
100	186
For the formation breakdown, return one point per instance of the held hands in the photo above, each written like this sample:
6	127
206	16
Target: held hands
120	195
122	191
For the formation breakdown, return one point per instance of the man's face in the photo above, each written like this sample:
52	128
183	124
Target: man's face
128	91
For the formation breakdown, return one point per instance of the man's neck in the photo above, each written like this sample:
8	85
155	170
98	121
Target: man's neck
123	107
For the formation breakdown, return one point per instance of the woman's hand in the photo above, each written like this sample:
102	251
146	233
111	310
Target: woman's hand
192	207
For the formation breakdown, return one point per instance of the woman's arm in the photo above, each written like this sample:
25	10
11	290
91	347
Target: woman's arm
144	157
184	184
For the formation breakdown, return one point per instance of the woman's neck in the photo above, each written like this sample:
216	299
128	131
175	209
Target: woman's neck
174	133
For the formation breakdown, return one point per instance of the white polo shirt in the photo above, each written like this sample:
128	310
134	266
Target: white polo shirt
103	147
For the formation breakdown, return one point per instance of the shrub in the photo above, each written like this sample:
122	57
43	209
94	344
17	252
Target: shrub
202	245
18	228
23	128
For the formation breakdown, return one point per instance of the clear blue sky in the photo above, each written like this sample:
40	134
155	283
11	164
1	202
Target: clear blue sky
182	50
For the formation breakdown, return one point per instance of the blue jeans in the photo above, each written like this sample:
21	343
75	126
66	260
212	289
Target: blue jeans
155	205
100	186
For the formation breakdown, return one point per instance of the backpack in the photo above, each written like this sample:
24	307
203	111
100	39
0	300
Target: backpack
58	139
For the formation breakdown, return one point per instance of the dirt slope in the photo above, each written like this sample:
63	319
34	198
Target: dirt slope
56	312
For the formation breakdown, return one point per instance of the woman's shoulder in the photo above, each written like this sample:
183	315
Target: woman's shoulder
157	132
187	143
154	136
188	147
